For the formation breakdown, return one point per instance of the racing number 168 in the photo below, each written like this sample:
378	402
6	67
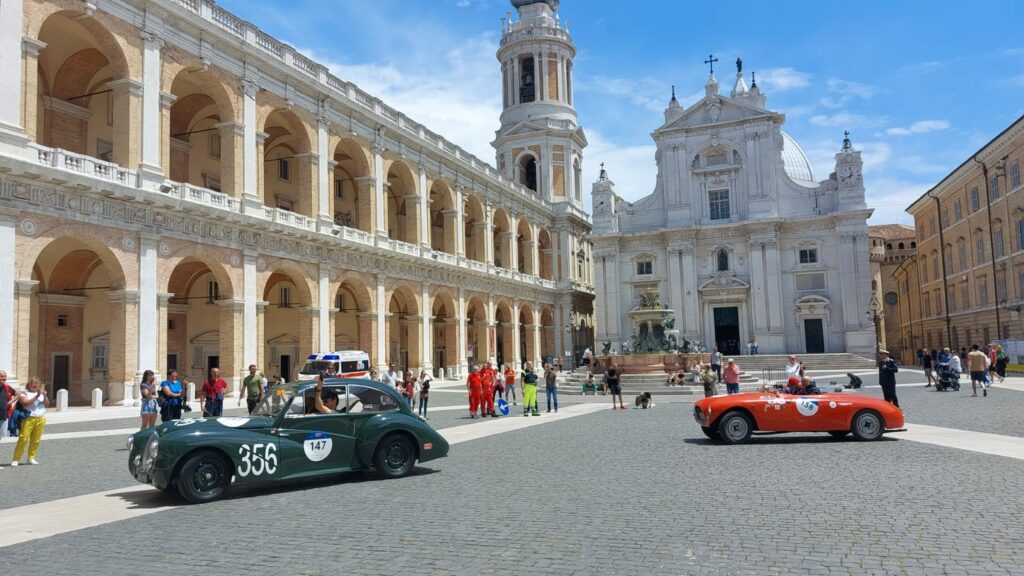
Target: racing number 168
257	459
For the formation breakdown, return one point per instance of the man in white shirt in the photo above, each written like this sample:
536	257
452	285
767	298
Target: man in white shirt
390	378
793	367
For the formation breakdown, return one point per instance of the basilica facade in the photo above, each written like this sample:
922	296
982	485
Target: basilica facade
737	239
180	190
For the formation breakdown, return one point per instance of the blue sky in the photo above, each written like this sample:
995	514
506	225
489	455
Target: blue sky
920	86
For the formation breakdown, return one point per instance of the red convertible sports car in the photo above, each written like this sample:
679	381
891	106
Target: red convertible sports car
735	417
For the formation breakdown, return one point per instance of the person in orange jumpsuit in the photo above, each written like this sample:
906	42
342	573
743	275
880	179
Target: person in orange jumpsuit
474	385
487	385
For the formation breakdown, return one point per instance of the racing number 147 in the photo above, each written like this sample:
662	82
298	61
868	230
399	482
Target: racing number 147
257	459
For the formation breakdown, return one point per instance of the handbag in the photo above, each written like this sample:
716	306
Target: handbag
161	400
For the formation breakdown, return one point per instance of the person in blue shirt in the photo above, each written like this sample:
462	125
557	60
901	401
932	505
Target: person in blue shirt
172	393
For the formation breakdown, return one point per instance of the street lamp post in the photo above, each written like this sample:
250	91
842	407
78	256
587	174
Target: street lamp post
874	314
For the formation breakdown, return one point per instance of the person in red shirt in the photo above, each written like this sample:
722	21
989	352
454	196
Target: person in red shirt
473	386
510	383
487	391
213	394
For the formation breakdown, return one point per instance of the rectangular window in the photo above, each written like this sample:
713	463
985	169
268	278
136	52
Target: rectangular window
286	296
952	302
958	210
339	189
1015	175
644	268
715	159
62	320
99	357
927	308
212	291
1000	289
1020	234
962	248
979	252
985	334
937	298
213	145
1020	286
965	296
809	256
945	218
719	204
924	272
993	188
975	201
997	243
339	303
949	260
931	225
982	292
809	282
284	169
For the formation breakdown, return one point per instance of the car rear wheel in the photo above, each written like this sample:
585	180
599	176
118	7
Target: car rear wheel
395	456
867	425
204	477
735	428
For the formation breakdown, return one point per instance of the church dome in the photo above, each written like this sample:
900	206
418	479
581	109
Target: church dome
517	4
794	161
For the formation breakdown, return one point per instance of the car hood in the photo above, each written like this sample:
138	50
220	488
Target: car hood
214	425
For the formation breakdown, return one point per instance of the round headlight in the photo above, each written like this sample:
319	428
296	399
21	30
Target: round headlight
152	449
131	442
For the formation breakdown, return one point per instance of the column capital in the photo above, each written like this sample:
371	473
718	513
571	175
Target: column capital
236	128
248	87
25	286
151	39
164	297
167	99
123	296
134	87
30	46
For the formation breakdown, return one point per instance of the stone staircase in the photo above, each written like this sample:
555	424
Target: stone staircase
752	367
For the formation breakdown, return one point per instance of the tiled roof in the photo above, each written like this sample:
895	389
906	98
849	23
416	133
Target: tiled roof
891	231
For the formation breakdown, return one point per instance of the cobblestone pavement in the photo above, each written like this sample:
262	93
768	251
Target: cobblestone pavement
635	492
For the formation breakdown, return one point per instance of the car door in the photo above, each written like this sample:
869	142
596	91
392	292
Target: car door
312	443
771	412
805	413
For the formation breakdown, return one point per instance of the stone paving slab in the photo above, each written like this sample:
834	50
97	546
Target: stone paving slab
635	492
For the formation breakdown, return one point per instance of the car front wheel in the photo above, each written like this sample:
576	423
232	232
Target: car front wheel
867	425
395	457
735	428
204	477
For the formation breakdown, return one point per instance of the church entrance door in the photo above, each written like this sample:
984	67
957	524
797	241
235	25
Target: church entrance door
814	335
727	330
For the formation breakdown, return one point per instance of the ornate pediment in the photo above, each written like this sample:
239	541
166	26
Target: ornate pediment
813	305
715	109
724	281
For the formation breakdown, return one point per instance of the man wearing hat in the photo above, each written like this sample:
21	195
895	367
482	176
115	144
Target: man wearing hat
887	370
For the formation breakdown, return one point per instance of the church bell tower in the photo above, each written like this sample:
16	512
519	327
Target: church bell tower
540	144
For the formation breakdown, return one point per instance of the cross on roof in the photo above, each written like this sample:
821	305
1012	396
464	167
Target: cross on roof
711	61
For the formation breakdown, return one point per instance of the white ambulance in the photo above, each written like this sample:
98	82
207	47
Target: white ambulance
344	364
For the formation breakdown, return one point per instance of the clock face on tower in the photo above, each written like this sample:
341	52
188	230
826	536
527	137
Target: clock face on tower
846	174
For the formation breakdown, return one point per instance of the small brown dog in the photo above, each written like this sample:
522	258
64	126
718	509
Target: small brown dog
644	401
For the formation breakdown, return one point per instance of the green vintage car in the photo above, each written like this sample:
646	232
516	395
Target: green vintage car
285	439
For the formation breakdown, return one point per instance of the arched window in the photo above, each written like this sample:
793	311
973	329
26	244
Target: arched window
529	173
723	260
527	85
900	246
577	178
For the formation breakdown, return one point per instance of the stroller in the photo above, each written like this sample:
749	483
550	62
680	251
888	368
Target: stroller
948	378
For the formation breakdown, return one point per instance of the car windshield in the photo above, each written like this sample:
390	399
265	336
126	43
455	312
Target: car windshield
314	367
271	404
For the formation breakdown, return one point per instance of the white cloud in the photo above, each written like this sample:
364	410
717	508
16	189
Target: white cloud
458	98
844	120
919	127
891	196
846	90
649	93
1017	80
782	79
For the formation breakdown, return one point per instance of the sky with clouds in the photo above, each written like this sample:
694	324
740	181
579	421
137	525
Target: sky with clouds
919	86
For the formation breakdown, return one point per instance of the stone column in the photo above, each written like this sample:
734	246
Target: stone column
538	361
19	371
414	225
676	286
11	17
148	321
128	101
382	343
517	353
463	340
150	167
166	101
163	300
309	331
124	310
27	86
426	334
424	210
8	275
773	283
563	322
535	249
323	194
368	329
260	358
307	169
758	294
460	224
232	157
691	295
325	337
492	332
450	242
251	320
380	227
251	178
489	235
